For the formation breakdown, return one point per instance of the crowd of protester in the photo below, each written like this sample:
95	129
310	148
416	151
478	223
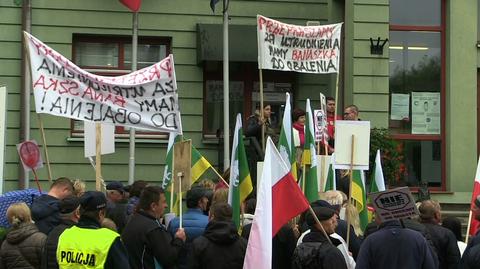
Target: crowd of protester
72	228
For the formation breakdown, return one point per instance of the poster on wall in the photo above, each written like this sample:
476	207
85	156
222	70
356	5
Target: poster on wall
400	106
425	113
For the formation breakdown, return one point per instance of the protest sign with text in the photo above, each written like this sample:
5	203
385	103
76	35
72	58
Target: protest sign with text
394	204
304	49
144	99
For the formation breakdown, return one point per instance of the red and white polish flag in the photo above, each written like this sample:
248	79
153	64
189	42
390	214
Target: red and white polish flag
474	224
279	199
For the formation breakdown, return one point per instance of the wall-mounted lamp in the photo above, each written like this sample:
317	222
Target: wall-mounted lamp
377	49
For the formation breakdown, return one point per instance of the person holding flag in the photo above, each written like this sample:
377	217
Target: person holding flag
240	181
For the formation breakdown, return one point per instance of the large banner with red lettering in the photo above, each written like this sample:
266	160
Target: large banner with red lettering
144	99
305	49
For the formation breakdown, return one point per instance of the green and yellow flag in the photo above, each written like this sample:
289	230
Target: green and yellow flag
285	143
359	197
309	158
199	166
240	181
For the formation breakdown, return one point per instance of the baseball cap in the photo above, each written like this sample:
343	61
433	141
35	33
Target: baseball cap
93	200
115	186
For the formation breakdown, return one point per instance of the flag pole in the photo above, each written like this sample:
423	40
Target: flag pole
221	178
98	156
47	159
468	226
131	160
172	193
180	175
226	108
349	202
261	107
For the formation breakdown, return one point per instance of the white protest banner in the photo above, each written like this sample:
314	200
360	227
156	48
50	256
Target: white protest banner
144	99
394	204
107	138
304	49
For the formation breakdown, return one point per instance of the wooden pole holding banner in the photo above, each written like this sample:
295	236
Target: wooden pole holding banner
47	159
172	193
261	108
468	226
180	175
98	157
349	202
336	97
303	178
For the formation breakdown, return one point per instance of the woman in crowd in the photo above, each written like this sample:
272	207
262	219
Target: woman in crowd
23	245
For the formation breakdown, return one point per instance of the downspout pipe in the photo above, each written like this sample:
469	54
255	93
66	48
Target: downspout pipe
23	175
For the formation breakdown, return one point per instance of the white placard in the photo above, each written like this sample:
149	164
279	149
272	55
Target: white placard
394	204
425	113
3	130
108	139
400	106
144	99
319	123
304	49
344	130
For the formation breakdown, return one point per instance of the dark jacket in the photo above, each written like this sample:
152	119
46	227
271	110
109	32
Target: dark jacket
146	239
46	212
315	252
22	248
445	244
117	257
49	258
220	247
395	247
117	212
471	255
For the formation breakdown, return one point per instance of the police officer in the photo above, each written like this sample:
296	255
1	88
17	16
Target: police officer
86	245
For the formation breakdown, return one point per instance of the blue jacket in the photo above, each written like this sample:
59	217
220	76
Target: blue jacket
194	223
395	247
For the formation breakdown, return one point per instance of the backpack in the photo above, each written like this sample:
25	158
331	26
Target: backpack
309	255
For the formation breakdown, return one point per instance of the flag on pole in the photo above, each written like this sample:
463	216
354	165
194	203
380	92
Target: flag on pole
168	170
474	224
240	181
330	184
359	197
309	158
199	166
133	5
279	199
378	182
285	143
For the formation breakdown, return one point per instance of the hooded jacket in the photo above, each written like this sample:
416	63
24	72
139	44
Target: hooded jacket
220	247
22	247
46	213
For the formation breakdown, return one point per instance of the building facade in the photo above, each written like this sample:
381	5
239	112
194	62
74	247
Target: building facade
421	85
